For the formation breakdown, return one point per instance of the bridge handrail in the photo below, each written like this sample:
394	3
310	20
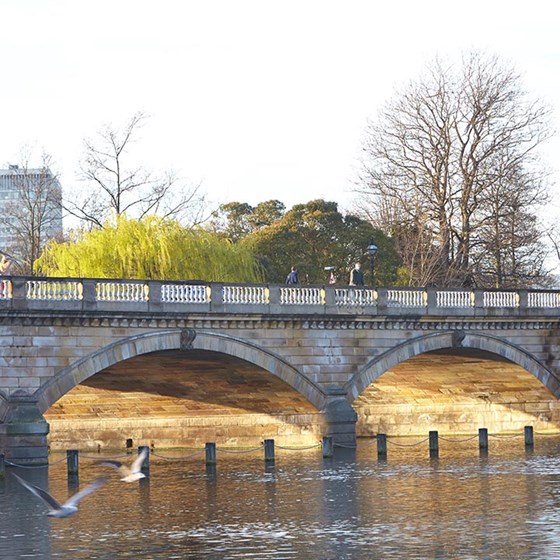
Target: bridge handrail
454	298
501	299
302	295
407	297
543	299
351	297
185	293
20	292
248	295
5	289
122	291
57	290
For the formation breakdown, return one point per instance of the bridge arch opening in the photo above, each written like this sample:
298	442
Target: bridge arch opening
129	347
438	384
179	396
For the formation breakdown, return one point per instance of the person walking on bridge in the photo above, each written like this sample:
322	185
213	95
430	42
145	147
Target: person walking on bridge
292	277
356	276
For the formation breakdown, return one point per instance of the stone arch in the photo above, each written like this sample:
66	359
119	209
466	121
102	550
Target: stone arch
269	361
67	378
379	365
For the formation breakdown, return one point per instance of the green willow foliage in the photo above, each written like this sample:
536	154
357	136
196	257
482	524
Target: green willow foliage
151	248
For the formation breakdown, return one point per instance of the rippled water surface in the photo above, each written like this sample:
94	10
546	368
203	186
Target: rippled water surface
463	505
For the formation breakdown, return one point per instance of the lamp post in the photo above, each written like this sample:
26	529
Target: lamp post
372	250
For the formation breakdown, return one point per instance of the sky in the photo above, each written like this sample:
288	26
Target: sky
253	100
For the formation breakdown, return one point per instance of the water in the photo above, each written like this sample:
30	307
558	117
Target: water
461	506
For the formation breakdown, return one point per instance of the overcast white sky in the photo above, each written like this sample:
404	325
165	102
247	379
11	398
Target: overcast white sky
255	99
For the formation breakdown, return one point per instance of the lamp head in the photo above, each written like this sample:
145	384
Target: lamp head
372	249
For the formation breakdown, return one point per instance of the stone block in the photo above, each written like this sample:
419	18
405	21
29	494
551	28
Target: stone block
30	382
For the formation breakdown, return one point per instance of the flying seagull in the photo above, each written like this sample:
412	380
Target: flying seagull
131	474
70	507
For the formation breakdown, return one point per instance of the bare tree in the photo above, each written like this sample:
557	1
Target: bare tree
414	241
33	211
114	187
508	248
433	152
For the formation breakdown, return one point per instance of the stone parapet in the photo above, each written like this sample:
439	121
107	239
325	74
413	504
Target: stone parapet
115	296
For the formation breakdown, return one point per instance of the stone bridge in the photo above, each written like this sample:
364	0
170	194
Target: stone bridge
91	363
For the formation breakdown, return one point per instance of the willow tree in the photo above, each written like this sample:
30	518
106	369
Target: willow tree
436	156
150	248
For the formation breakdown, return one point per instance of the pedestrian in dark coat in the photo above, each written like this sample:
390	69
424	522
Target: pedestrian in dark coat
356	276
292	277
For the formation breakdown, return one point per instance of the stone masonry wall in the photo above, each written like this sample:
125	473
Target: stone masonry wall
49	356
326	353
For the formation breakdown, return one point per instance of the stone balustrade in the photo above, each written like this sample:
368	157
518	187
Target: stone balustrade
28	294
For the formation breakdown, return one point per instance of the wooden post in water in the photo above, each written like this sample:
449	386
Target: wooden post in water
210	453
328	449
381	446
483	438
72	462
2	467
146	464
434	444
529	436
269	451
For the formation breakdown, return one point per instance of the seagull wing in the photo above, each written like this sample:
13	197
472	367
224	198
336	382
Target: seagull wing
97	483
124	470
139	461
39	492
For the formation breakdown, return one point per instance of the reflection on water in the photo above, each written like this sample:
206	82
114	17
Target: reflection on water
463	505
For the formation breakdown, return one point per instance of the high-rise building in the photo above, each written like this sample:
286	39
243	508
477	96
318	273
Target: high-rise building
30	209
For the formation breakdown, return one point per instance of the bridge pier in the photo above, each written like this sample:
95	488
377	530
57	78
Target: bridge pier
23	433
340	418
